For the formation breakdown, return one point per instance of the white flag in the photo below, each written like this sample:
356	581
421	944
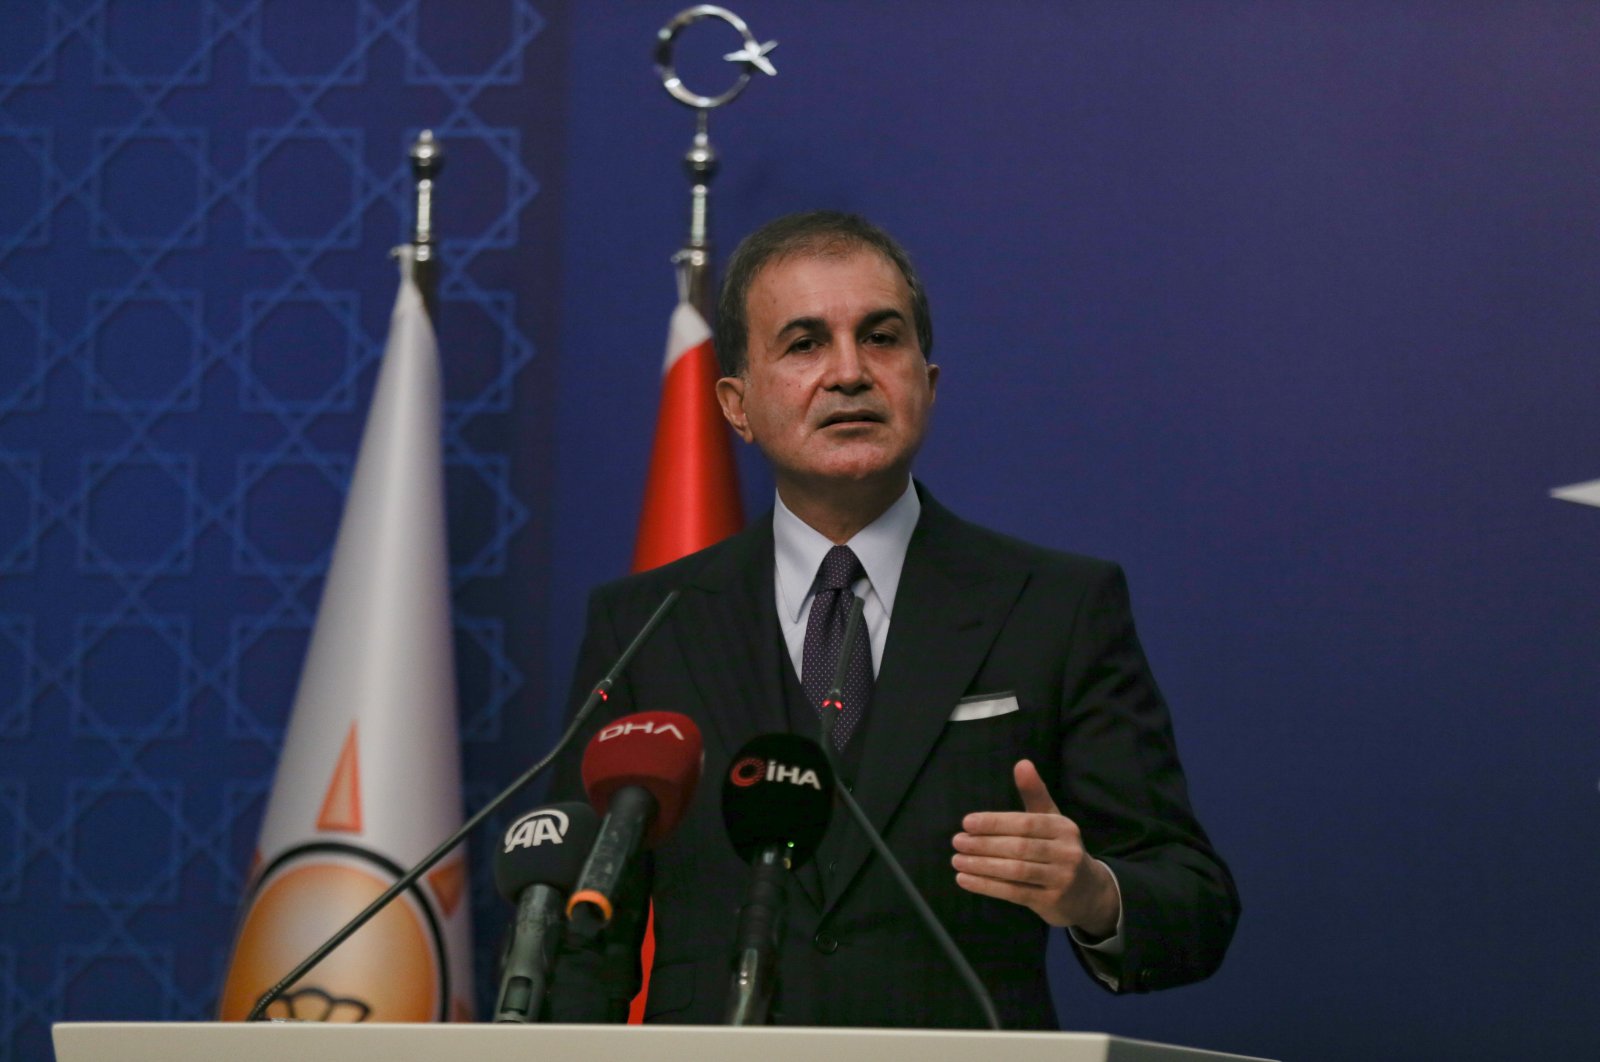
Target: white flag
1582	493
369	779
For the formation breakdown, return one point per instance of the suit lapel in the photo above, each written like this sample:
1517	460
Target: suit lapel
949	607
725	626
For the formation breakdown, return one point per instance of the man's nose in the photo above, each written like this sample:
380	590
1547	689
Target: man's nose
847	369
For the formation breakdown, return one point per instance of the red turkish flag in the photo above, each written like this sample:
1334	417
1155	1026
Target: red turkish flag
691	498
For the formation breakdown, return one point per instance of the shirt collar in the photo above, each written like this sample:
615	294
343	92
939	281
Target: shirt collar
798	549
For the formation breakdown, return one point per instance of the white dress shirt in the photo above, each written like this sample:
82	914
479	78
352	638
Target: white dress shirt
798	549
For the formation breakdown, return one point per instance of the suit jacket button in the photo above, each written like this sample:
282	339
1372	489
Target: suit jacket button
825	943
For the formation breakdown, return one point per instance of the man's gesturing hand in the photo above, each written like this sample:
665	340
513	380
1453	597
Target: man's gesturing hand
1035	857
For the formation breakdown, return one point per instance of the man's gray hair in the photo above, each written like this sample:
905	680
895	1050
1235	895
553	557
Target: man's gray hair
816	233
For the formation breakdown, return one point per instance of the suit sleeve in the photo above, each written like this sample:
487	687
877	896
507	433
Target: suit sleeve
596	978
1122	783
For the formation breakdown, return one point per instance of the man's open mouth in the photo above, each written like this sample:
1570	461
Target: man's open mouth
852	416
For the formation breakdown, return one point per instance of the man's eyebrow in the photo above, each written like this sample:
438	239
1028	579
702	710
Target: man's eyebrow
803	324
877	317
817	324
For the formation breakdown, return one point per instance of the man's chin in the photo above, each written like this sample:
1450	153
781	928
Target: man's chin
849	473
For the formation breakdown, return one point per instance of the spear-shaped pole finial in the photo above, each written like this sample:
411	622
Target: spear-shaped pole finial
427	159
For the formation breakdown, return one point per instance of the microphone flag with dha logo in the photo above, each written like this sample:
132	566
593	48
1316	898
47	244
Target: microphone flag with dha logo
369	778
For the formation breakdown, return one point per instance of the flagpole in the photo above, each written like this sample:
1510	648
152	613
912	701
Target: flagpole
427	160
693	259
369	772
691	497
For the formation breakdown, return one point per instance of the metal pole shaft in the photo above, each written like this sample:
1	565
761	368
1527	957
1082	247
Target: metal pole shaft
693	260
427	159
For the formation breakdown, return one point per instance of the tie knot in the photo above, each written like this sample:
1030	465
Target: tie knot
840	568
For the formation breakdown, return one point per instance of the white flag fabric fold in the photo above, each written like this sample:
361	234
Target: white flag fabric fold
1587	493
369	779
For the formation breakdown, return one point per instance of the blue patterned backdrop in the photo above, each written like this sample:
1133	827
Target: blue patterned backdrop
198	203
1291	306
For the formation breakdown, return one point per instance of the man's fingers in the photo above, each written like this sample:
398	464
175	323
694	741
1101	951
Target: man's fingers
1022	895
1019	824
1035	797
1045	848
1016	871
1008	846
1035	858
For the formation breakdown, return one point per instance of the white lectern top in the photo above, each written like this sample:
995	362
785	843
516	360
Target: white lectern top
315	1042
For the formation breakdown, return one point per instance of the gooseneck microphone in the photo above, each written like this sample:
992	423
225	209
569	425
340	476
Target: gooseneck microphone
777	800
834	701
641	770
834	698
535	866
601	690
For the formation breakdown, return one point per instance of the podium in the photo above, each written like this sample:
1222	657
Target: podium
315	1042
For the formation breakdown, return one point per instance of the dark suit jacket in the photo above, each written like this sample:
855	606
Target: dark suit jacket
976	613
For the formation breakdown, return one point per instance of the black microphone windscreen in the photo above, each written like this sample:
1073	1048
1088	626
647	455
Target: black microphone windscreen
779	790
547	846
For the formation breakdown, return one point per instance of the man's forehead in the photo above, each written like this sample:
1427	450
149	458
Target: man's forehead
791	277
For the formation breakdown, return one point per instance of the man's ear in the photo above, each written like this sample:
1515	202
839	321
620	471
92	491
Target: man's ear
730	396
933	381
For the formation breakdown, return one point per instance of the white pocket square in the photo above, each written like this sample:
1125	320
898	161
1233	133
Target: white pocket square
984	706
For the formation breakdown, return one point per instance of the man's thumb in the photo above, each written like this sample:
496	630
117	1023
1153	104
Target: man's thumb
1035	797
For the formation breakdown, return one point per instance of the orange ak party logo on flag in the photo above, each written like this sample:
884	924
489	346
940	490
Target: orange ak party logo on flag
369	779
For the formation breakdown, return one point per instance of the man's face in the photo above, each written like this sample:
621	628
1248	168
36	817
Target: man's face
836	389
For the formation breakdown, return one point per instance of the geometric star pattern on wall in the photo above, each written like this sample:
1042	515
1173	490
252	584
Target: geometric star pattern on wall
194	295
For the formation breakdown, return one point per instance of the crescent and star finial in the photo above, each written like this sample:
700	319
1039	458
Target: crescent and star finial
753	57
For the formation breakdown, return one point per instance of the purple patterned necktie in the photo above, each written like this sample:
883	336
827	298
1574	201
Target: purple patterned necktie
830	611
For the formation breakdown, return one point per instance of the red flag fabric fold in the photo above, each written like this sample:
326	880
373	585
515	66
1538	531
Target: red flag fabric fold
691	497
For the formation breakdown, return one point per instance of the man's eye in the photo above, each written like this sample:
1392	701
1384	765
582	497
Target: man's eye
880	339
803	345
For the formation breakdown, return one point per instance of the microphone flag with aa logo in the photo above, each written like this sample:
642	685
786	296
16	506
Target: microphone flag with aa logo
369	779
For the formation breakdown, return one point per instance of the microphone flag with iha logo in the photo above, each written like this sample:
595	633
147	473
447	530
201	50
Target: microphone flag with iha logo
369	778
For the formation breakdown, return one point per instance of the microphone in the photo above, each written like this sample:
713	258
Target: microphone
600	692
538	860
776	803
642	770
834	699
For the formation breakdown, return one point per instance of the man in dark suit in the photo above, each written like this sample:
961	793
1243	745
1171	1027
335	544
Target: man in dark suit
1003	730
